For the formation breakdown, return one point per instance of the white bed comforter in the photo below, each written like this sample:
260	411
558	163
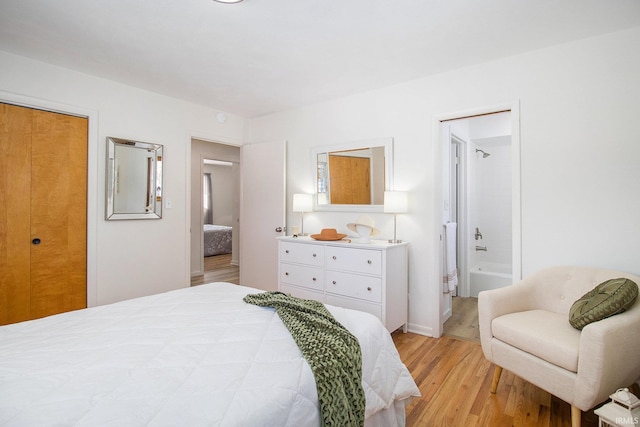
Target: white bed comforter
196	356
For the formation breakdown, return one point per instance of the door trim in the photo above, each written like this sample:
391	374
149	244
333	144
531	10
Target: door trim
463	214
92	175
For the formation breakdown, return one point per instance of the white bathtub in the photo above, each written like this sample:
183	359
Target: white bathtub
489	275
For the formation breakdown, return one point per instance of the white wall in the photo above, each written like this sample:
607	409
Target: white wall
223	194
490	210
579	106
135	257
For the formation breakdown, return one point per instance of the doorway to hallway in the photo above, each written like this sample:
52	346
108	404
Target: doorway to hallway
215	211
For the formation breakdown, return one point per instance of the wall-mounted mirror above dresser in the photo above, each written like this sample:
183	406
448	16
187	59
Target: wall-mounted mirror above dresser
353	176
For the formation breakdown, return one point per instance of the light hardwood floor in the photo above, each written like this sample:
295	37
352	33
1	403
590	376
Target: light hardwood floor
463	322
218	268
454	379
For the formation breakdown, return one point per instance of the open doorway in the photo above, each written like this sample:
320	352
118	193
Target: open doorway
481	200
215	200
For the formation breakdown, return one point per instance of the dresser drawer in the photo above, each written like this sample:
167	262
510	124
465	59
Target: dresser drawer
356	260
302	253
352	285
355	304
302	275
304	293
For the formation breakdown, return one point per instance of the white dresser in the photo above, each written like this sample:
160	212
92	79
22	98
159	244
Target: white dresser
368	277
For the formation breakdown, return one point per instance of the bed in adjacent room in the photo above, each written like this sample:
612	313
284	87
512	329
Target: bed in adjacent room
195	356
217	239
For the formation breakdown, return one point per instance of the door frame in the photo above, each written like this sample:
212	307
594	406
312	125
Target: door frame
462	211
437	226
92	175
463	215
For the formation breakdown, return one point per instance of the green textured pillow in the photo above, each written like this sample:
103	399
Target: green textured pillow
608	298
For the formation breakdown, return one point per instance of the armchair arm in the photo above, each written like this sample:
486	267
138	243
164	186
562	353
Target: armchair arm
608	357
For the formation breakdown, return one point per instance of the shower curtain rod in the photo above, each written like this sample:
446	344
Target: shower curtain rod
475	115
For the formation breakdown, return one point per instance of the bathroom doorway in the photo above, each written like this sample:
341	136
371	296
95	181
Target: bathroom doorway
481	196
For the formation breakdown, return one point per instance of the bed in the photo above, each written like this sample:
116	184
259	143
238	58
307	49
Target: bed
196	356
217	239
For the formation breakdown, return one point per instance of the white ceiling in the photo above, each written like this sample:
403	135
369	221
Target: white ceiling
263	56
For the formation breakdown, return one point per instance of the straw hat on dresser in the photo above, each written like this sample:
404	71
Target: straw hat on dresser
328	234
363	220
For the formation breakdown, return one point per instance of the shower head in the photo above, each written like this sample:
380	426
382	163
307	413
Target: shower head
484	153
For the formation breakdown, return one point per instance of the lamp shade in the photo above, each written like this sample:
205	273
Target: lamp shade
302	202
395	201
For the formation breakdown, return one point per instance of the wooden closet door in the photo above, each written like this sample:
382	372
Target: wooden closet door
15	186
52	203
58	213
350	179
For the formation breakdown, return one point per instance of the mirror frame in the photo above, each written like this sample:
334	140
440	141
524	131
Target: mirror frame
156	208
387	143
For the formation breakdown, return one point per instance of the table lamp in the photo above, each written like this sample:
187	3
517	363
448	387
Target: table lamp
302	203
395	202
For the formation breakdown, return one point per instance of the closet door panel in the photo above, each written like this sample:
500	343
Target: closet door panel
58	213
350	180
15	185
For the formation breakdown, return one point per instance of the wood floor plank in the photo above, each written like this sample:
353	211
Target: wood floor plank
218	268
463	322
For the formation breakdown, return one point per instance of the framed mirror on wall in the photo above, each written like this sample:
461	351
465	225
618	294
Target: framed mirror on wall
134	180
353	176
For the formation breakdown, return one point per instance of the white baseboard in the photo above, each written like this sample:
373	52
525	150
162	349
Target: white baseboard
420	330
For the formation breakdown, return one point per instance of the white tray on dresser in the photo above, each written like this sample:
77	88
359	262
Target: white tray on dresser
368	277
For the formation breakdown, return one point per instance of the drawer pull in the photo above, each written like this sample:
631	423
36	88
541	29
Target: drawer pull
286	273
286	251
334	257
314	255
369	261
334	282
314	279
369	288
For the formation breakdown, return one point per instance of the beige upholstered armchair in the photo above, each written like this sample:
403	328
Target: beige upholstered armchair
525	329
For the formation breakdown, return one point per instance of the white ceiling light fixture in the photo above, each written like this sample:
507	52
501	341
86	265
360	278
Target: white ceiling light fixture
228	1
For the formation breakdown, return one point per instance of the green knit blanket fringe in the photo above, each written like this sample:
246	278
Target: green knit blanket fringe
332	352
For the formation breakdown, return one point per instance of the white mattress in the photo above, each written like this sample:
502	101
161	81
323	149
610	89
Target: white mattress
196	356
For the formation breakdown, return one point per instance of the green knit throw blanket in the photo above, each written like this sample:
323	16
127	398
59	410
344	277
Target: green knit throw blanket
331	351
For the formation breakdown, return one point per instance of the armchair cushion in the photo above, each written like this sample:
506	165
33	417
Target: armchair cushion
544	334
608	298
